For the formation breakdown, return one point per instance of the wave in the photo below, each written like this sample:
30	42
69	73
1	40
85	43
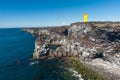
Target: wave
75	74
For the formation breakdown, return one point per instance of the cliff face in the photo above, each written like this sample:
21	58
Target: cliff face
97	44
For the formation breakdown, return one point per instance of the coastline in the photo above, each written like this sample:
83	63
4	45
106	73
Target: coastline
92	42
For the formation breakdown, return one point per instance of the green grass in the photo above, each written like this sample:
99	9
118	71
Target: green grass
86	72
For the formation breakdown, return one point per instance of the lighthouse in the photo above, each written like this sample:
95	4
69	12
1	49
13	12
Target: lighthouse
85	17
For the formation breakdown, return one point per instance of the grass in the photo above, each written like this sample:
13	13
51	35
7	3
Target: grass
86	72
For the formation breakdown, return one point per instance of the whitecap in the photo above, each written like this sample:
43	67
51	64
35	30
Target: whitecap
75	73
33	63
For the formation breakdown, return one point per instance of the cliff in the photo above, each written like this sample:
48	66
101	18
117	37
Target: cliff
97	44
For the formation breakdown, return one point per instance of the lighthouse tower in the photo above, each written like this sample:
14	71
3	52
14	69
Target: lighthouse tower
85	17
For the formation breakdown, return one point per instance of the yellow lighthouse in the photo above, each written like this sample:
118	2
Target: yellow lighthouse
85	17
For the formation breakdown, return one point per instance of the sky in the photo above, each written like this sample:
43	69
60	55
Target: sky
39	13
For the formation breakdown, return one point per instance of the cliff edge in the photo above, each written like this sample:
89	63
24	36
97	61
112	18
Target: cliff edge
97	44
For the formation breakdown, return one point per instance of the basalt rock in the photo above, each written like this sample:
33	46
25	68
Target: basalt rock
91	42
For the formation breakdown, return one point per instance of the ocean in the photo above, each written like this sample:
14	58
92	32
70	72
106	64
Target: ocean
16	63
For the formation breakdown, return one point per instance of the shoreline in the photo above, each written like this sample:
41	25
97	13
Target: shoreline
92	42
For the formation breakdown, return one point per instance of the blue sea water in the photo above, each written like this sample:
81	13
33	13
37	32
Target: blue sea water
16	49
16	63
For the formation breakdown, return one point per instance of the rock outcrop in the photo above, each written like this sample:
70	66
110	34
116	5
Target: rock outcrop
95	43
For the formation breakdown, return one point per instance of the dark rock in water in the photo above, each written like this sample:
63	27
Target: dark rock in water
97	42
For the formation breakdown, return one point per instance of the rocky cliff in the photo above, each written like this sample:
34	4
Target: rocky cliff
97	44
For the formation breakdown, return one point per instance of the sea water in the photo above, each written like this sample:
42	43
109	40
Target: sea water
16	63
16	48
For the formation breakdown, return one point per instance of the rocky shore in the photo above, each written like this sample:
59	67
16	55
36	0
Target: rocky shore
96	44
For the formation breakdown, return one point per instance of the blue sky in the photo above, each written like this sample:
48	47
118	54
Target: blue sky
35	13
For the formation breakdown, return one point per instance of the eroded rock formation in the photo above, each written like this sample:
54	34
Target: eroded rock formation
95	43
